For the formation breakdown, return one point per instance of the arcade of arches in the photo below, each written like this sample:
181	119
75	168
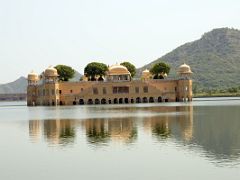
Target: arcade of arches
121	100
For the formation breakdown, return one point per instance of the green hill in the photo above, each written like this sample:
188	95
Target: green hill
16	87
214	59
19	86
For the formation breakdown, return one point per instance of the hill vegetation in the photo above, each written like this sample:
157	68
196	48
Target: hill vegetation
16	87
214	59
20	85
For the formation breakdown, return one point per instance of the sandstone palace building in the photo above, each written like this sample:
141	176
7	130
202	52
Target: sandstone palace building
117	88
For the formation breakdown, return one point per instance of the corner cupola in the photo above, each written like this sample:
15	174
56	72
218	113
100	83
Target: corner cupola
32	78
50	74
184	71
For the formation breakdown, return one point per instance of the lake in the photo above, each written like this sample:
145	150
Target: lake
196	140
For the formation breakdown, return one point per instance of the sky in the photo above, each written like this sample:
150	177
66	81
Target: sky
35	34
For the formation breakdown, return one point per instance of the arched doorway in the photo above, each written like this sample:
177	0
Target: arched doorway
74	102
115	101
81	101
90	101
145	100
97	101
138	100
120	100
126	100
159	99
132	101
109	101
103	101
151	100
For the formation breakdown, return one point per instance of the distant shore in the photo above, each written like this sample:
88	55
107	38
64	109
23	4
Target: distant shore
206	95
13	97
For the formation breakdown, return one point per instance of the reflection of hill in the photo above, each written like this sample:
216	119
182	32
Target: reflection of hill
178	125
216	129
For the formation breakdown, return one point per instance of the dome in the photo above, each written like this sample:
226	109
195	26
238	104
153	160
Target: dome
184	69
32	76
118	70
51	71
146	71
146	74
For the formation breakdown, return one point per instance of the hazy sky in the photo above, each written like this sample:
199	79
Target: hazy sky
37	33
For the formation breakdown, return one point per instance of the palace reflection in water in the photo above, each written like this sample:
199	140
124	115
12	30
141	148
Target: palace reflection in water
55	131
183	125
172	120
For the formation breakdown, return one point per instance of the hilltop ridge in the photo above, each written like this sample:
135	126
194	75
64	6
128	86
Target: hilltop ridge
214	59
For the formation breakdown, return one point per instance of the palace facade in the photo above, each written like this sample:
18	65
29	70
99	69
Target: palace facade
118	87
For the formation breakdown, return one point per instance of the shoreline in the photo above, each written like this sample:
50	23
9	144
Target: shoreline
215	95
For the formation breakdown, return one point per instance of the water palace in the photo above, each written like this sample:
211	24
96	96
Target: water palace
117	88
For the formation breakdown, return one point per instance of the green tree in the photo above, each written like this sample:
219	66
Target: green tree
131	68
65	72
233	90
94	69
158	70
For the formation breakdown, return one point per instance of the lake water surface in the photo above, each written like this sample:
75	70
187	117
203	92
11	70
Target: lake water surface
197	140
